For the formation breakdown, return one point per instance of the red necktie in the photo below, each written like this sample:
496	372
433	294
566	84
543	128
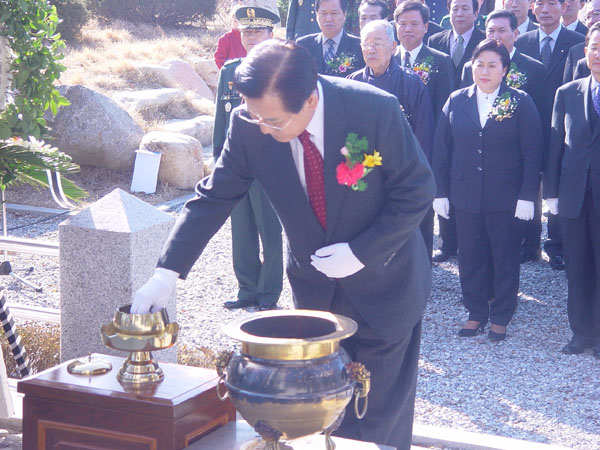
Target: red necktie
315	181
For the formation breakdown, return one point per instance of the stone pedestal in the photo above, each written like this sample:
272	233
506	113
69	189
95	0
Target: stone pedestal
107	252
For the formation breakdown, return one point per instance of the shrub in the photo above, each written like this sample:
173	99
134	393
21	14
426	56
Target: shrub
73	15
42	345
159	12
283	6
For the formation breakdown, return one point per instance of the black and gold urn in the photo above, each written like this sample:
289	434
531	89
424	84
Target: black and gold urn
291	378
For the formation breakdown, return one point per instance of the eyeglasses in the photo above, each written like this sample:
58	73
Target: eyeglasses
595	14
249	117
377	45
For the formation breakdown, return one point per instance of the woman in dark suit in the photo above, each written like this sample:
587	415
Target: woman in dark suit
487	160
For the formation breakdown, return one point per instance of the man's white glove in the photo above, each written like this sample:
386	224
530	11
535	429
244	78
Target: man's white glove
441	206
524	210
552	205
336	261
155	294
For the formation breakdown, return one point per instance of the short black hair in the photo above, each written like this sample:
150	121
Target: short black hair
282	68
412	6
503	14
490	45
475	5
588	36
383	5
343	4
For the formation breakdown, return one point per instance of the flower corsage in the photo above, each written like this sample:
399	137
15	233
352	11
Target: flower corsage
504	107
341	64
358	163
514	78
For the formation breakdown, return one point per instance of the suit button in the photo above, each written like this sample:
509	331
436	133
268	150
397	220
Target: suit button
312	20
479	151
479	168
480	133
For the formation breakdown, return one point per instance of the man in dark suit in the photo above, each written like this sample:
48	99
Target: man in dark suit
301	19
335	52
527	74
570	16
349	249
576	53
572	190
550	45
370	10
432	27
383	71
459	43
433	67
252	220
521	8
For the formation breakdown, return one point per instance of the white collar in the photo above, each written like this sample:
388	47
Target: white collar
512	52
553	35
466	35
487	98
316	126
571	26
594	84
413	53
335	39
523	27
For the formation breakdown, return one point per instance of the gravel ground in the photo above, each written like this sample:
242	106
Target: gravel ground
522	388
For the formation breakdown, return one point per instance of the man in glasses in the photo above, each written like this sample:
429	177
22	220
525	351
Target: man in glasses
345	174
253	220
576	66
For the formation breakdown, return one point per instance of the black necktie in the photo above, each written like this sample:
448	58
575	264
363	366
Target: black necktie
407	63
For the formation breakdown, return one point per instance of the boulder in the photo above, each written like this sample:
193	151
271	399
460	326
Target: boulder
184	76
94	130
136	101
200	127
181	163
208	70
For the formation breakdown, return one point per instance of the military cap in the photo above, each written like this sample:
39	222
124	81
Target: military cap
255	17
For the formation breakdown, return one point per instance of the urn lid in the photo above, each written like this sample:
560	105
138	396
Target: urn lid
298	334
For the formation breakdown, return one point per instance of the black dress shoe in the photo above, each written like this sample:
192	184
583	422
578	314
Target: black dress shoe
496	337
470	332
533	256
237	304
442	255
266	306
557	262
578	345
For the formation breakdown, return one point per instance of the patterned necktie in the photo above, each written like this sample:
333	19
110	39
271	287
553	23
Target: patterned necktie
459	51
407	63
315	180
546	52
596	99
329	53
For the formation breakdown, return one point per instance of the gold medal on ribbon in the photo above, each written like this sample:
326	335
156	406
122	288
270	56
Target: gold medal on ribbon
227	107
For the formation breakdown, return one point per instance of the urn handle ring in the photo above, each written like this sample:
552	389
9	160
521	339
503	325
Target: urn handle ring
362	376
222	363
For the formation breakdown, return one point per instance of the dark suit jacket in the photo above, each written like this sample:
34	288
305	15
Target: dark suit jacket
532	26
301	20
575	54
581	28
528	44
432	29
439	80
535	84
349	46
574	149
441	42
581	70
381	224
412	96
487	169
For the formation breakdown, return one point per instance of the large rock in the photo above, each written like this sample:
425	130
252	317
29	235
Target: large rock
208	70
136	101
181	163
186	77
200	127
94	130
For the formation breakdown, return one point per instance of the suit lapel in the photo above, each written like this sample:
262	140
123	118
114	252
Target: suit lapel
489	122
533	43
558	52
470	47
319	56
336	121
586	93
470	106
446	41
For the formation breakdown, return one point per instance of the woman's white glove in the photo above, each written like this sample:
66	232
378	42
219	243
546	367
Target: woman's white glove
155	294
441	206
524	210
552	205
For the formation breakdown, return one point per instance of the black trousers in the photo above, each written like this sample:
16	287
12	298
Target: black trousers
582	264
393	367
448	232
532	229
489	256
427	232
553	245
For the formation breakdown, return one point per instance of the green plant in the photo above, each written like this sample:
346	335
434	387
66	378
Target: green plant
159	12
73	16
42	345
31	51
283	6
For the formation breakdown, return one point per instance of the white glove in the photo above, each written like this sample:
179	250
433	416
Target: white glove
552	205
336	261
155	294
524	210
441	206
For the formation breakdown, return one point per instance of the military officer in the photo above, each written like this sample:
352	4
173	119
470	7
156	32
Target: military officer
301	19
260	283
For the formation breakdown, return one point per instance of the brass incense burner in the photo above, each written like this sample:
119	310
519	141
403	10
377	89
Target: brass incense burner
139	334
291	377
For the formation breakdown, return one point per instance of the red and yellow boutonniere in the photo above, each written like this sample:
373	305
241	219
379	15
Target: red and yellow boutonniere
504	107
358	163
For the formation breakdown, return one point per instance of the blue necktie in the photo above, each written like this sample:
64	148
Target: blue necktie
546	52
596	99
329	53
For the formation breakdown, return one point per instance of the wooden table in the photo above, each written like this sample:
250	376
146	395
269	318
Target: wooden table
67	412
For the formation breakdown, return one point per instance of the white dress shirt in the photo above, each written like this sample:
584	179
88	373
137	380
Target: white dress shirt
413	53
571	26
316	128
466	38
523	27
553	35
336	42
485	103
